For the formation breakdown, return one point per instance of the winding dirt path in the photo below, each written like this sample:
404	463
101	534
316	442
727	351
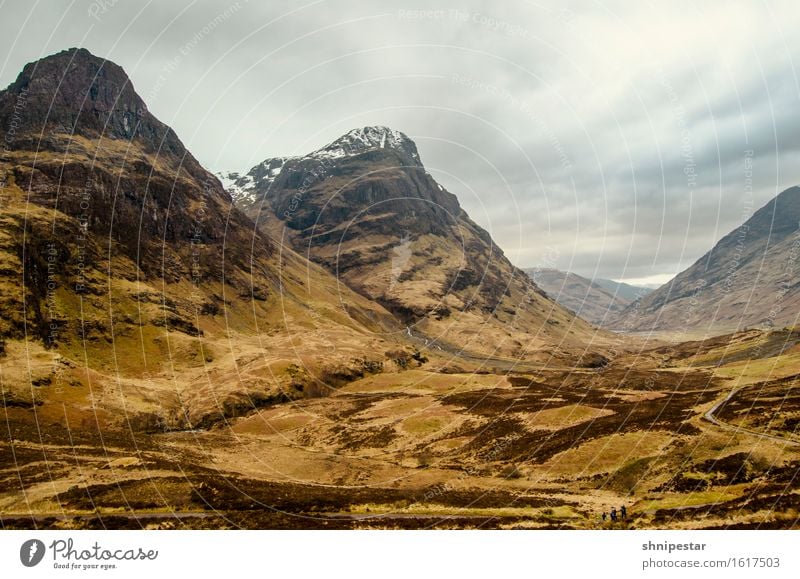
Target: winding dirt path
709	416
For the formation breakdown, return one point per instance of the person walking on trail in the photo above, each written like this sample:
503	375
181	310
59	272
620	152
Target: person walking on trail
614	513
623	512
604	516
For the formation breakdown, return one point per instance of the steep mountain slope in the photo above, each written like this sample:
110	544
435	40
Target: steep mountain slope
133	292
365	208
583	296
750	278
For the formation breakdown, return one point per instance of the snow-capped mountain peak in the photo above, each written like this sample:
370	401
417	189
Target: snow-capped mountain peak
363	139
244	188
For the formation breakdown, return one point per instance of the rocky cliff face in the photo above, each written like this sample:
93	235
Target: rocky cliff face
365	208
751	278
81	141
75	92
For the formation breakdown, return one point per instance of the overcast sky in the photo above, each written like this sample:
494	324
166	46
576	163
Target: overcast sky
605	138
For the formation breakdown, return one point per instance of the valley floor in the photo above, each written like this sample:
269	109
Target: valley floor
680	441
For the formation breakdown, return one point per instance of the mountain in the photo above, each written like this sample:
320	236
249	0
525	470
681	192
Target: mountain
749	279
623	290
366	209
134	294
587	298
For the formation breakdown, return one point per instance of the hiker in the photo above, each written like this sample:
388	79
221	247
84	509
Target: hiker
604	516
614	513
623	512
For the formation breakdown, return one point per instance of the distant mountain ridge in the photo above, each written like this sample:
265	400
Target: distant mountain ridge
597	301
624	290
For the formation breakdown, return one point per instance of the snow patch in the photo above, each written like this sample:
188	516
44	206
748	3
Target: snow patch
363	139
